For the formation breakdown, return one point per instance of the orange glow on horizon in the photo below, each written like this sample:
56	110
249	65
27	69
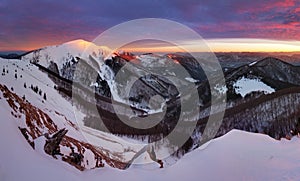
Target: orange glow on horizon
29	46
230	45
253	45
215	45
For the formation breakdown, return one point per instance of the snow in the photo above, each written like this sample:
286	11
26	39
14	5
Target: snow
191	80
221	89
20	162
61	54
236	156
64	54
245	86
94	84
39	145
151	60
113	143
59	109
252	63
55	106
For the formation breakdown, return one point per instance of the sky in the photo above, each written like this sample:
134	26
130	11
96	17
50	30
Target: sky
227	25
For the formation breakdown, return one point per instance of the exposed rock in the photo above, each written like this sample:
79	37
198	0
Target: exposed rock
26	135
74	159
52	143
53	67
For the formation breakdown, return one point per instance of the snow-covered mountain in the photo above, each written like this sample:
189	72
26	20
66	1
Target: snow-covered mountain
28	98
243	85
236	156
36	99
271	71
65	53
96	67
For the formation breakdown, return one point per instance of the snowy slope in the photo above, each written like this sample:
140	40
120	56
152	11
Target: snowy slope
57	108
235	156
244	86
61	54
152	60
66	56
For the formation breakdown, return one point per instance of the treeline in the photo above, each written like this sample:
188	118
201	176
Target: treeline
277	115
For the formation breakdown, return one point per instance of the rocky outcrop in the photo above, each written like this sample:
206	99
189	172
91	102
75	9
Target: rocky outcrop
52	143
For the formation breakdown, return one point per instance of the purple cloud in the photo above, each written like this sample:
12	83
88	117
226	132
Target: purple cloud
35	23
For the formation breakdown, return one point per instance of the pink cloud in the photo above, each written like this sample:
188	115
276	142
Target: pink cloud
260	6
255	29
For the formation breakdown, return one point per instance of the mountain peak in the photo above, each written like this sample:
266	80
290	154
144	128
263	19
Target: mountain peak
271	61
77	42
78	45
63	53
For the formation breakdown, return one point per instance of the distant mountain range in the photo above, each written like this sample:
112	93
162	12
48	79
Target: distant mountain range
262	96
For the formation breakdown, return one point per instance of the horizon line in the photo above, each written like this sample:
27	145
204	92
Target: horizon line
215	45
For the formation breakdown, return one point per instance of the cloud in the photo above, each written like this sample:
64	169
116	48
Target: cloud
35	23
